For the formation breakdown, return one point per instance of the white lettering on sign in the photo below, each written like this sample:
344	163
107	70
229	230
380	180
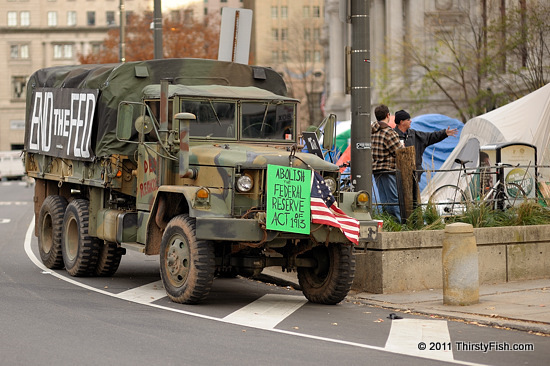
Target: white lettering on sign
62	118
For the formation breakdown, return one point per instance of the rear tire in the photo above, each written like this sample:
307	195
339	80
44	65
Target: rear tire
50	222
80	251
330	281
187	265
108	260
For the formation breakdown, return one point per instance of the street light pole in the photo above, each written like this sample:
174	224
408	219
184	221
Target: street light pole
157	24
122	43
361	153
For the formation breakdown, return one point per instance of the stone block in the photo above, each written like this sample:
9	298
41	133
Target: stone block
528	261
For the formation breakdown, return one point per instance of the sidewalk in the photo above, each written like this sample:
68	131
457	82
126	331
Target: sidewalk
523	305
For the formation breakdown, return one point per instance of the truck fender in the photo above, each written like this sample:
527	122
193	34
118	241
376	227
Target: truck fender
171	201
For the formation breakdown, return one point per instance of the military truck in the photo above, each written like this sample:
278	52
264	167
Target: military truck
171	157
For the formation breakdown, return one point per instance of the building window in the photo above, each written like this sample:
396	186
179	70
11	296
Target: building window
284	12
317	56
188	15
52	18
25	17
275	34
274	12
110	17
284	55
224	1
19	84
71	18
316	11
24	51
307	56
96	47
14	51
305	11
12	18
62	51
90	16
19	51
307	34
17	124
274	57
175	16
284	34
316	34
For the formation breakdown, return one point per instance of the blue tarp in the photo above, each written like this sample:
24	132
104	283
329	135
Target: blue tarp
436	154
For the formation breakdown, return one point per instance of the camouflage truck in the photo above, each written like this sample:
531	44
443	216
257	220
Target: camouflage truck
171	157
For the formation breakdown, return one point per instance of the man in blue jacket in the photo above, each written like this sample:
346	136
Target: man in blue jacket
420	140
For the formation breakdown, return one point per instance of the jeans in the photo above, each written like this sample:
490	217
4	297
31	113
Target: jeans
387	190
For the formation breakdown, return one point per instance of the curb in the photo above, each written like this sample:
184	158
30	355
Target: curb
482	320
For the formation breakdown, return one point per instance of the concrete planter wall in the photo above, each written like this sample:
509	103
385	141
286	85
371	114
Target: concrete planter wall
407	261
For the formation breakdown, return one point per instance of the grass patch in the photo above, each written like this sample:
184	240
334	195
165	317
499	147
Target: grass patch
528	212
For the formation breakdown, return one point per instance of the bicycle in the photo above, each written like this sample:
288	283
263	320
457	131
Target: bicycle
452	200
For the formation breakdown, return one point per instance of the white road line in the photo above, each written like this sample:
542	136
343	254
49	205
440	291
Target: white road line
5	221
38	263
406	335
144	294
266	312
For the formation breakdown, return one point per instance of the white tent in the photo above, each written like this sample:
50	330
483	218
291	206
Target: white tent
525	120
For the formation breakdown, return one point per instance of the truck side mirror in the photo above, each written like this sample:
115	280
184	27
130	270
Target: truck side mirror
125	121
182	119
329	131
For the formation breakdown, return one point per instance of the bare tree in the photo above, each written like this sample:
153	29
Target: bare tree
476	58
453	63
301	63
525	49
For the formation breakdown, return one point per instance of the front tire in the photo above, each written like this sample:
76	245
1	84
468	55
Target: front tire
449	200
80	251
50	222
330	281
187	265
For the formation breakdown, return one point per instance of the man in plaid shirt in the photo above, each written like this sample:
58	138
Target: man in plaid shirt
385	143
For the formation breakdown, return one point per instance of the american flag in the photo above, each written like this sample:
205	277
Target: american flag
325	211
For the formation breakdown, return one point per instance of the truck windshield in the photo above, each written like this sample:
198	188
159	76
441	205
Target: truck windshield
215	119
271	120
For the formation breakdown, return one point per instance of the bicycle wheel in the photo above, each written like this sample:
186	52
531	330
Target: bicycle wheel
514	195
449	200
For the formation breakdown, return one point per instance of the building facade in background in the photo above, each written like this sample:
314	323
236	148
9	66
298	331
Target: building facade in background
459	58
392	22
42	33
287	36
303	40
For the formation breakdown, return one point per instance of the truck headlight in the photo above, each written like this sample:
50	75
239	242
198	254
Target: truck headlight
245	183
331	184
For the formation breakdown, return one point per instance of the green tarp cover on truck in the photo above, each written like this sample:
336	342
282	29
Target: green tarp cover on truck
103	87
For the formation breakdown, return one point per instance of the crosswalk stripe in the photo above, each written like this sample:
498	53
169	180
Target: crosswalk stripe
266	312
409	336
145	294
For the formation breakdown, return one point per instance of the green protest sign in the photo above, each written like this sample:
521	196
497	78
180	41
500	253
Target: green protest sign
288	199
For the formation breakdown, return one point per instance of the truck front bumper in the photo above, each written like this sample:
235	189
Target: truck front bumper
250	230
